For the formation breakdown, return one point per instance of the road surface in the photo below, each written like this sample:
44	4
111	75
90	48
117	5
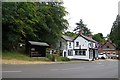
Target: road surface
97	69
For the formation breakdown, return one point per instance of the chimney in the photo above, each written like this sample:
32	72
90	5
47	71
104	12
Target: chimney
81	32
89	35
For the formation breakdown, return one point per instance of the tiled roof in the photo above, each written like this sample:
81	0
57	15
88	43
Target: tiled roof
85	37
38	43
89	39
67	38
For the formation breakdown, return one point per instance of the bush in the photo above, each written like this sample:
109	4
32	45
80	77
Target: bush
60	58
50	57
56	57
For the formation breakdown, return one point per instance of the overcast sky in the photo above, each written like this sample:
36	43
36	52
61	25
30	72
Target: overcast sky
99	15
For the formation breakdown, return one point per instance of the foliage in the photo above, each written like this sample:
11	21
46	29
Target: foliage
57	57
82	26
61	58
50	57
99	38
24	21
71	34
115	32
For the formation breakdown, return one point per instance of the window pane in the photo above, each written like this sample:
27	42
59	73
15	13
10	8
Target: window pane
84	52
80	52
69	44
77	44
75	52
70	53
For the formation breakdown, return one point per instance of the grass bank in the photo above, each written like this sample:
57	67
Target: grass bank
7	56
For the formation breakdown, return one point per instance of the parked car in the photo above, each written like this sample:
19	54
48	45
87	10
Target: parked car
102	56
117	56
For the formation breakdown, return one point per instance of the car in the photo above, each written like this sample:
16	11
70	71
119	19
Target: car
117	56
102	56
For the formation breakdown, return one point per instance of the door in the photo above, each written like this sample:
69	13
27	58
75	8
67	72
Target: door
64	53
93	55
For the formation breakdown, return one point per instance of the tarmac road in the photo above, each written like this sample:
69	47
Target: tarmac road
97	69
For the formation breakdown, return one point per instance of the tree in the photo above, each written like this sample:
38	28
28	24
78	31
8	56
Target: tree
71	34
82	26
99	38
115	32
24	21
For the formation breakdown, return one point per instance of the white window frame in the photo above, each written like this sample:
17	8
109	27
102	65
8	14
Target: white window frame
69	44
77	45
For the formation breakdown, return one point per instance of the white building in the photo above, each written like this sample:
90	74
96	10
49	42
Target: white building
81	47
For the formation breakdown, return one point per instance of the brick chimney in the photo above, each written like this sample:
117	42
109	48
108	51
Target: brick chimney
89	35
81	32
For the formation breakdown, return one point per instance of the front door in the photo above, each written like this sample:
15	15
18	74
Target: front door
65	54
93	55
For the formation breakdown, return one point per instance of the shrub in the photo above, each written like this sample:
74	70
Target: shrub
60	58
50	57
57	57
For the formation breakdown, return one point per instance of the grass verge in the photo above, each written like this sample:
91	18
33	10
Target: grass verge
21	56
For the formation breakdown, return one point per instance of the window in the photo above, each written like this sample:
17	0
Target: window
32	49
80	52
91	45
84	52
107	47
60	44
77	44
76	52
69	44
70	53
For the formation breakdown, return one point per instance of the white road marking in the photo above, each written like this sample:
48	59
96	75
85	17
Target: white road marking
10	71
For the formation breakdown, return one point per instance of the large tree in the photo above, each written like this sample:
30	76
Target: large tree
23	21
71	34
115	32
82	26
99	37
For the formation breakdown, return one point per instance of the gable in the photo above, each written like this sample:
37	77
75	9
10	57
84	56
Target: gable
108	45
81	39
85	37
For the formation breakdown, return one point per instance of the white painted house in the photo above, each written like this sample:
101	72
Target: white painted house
81	47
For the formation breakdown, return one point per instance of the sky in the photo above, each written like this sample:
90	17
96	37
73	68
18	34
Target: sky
98	15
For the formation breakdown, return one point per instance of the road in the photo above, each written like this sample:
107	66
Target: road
97	69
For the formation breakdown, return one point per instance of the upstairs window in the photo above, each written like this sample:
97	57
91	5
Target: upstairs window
77	44
69	44
60	44
107	47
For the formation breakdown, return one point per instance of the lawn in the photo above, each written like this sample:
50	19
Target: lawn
21	56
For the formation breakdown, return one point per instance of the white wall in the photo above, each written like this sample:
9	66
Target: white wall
84	45
68	47
83	42
92	43
63	44
86	57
